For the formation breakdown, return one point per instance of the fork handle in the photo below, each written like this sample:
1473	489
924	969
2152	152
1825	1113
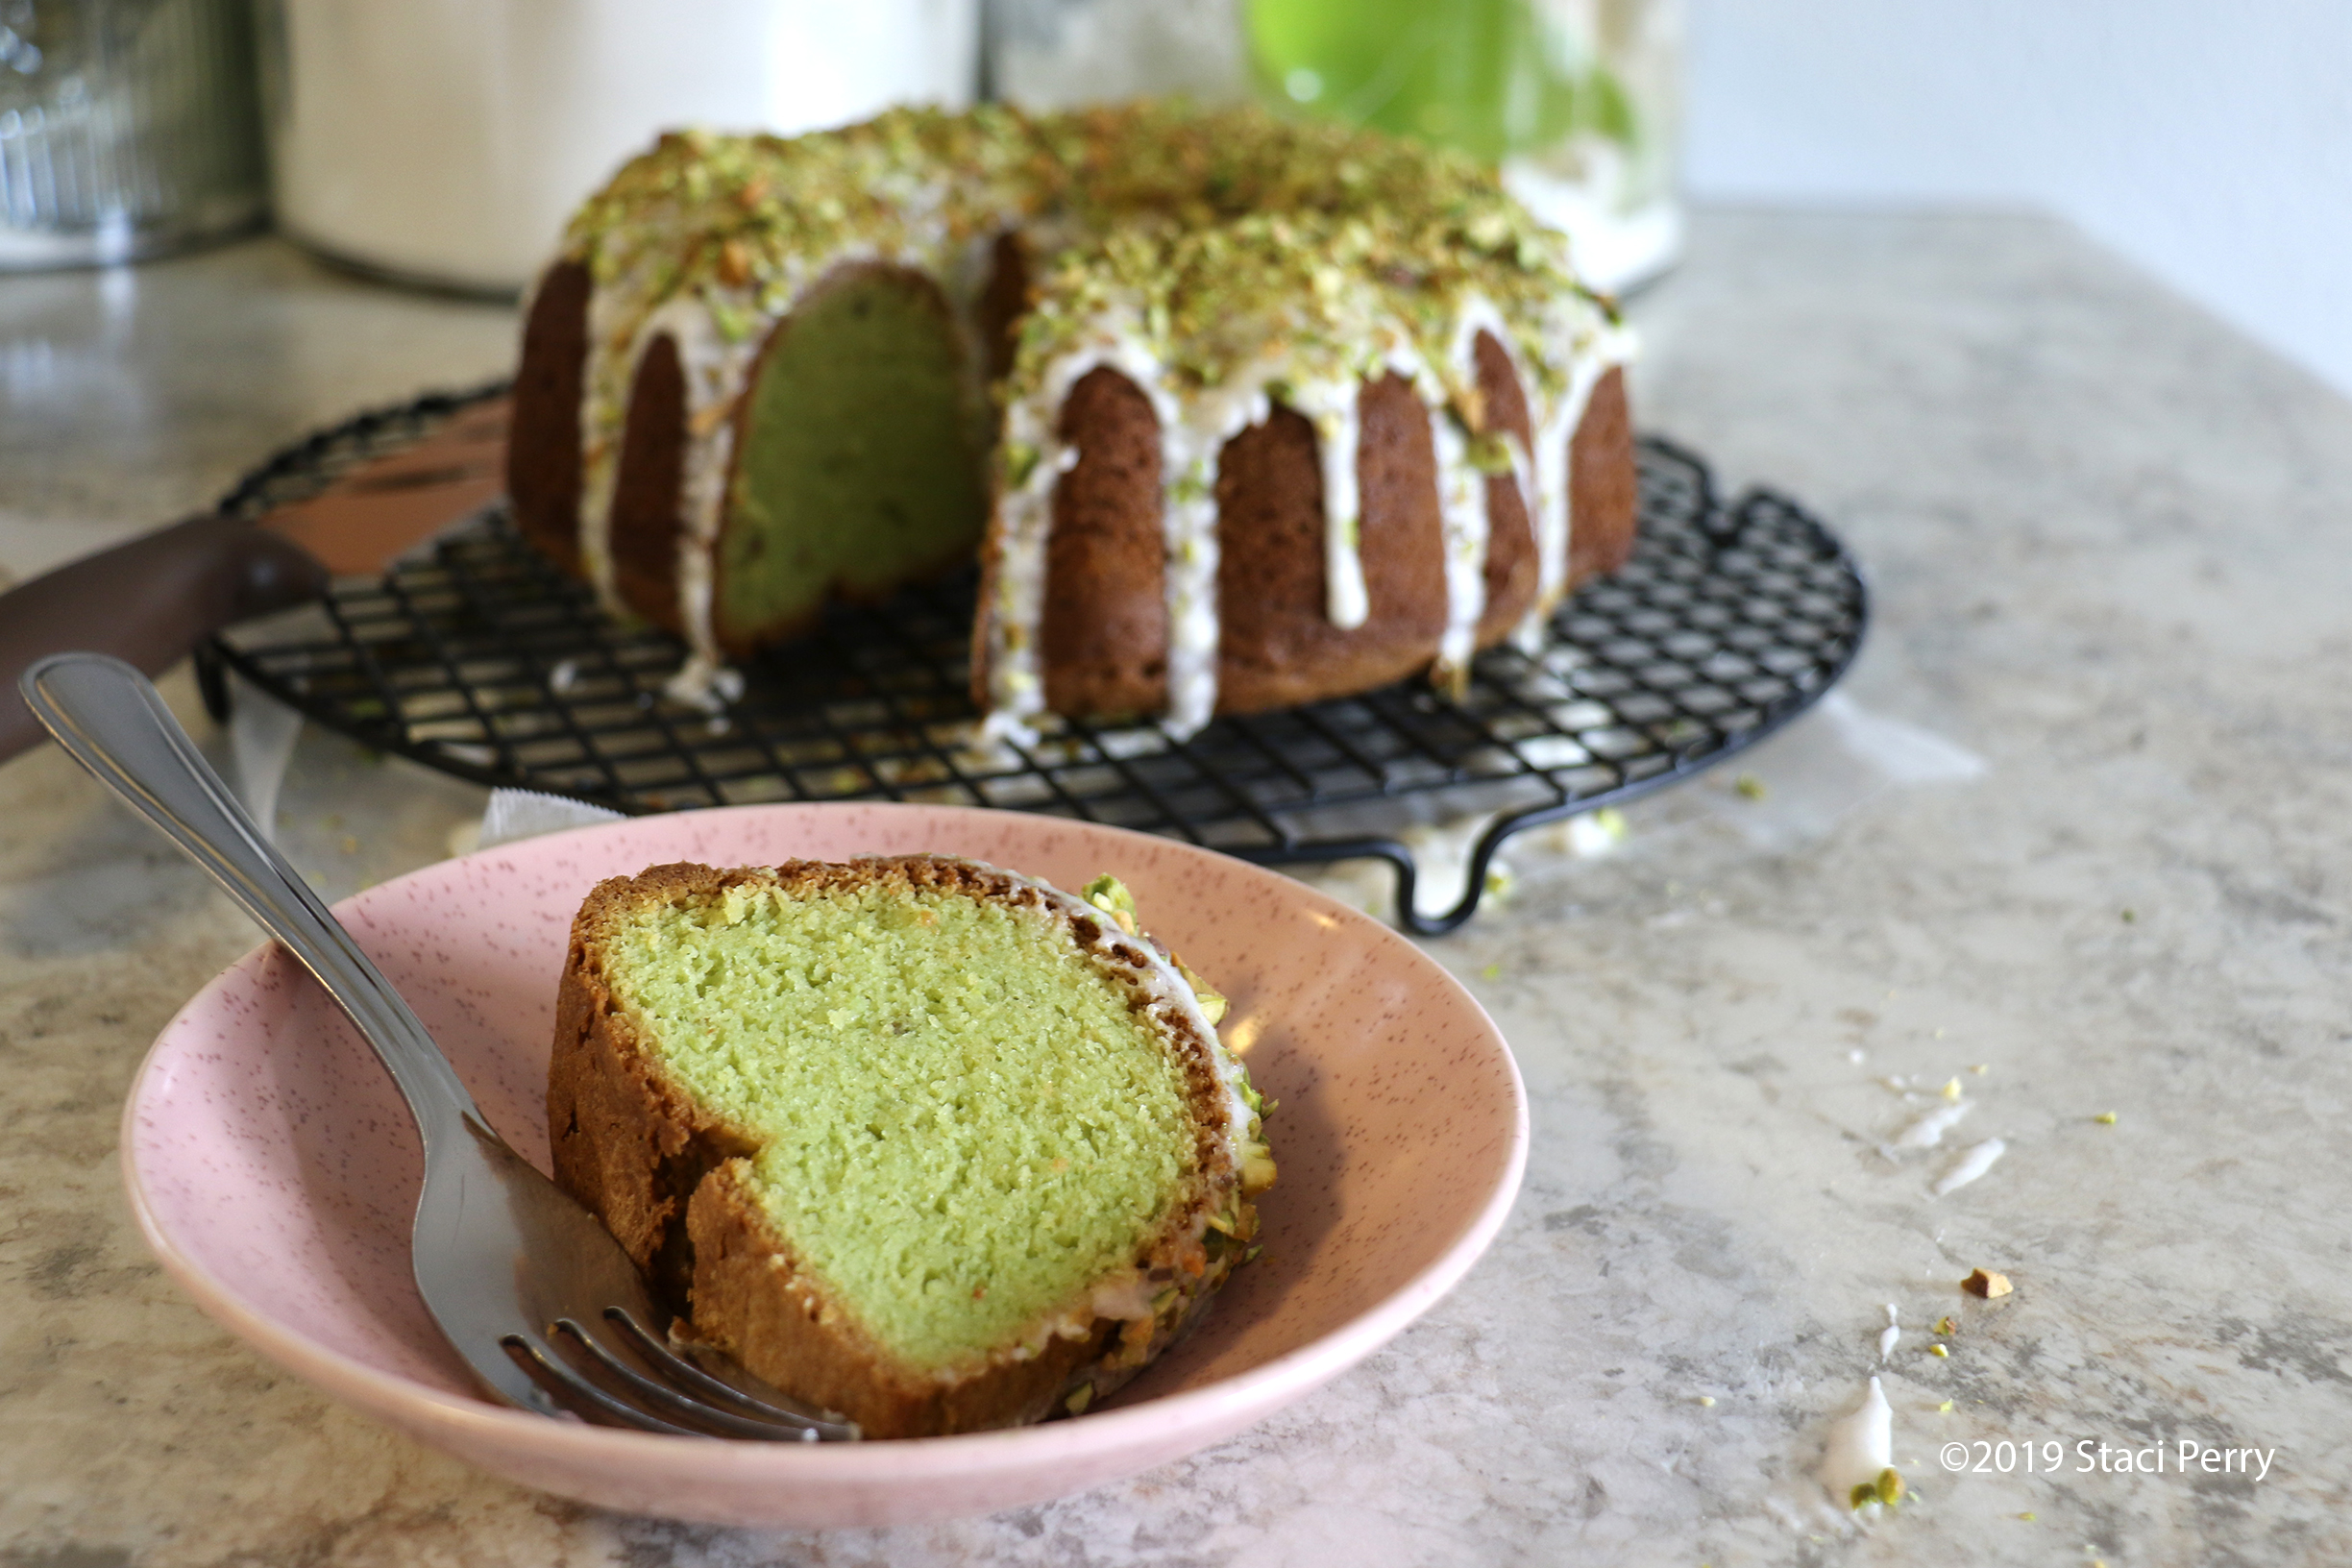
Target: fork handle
113	721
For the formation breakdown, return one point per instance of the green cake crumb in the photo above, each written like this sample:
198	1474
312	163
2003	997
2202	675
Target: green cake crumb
963	1124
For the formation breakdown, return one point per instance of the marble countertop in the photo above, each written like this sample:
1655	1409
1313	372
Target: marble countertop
2107	539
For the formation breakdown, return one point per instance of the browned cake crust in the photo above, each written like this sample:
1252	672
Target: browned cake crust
1003	300
543	442
1604	485
752	1297
646	493
670	1182
1105	630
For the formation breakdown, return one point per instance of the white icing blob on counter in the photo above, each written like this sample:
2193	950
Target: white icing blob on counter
1929	1130
1969	1166
1859	1446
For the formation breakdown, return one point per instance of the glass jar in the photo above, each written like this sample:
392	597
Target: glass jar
1061	54
128	128
1576	101
1579	102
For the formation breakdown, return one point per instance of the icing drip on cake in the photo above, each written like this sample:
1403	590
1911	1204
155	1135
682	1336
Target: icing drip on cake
1600	345
1461	501
715	370
1329	407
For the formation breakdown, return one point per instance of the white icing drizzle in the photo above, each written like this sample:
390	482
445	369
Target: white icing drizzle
1188	518
1598	348
1331	407
1527	635
1929	1130
1190	444
1969	1166
613	347
715	370
1859	1447
719	331
1461	503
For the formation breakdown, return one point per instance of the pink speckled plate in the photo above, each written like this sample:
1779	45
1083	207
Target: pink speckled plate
274	1168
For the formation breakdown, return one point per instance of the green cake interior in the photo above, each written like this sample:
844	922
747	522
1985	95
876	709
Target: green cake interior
962	1122
860	457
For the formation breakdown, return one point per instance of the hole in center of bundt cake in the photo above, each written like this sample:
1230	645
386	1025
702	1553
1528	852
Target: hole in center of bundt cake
961	1123
859	461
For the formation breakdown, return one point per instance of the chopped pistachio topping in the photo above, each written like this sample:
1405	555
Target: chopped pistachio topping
1213	1004
1490	453
1110	894
1886	1491
1215	226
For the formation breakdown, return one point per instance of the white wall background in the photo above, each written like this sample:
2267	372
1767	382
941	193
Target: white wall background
2209	141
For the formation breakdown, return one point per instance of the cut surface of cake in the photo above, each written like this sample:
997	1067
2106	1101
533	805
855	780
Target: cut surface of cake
918	1141
1238	411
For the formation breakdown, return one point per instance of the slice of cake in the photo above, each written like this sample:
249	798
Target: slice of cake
918	1141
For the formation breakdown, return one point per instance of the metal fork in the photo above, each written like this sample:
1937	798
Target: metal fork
530	1289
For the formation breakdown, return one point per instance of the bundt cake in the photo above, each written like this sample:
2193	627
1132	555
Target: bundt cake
918	1141
1240	411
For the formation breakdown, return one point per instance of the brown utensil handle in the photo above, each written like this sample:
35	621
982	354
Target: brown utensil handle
149	603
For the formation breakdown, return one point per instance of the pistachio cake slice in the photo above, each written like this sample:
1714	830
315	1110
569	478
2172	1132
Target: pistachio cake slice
919	1140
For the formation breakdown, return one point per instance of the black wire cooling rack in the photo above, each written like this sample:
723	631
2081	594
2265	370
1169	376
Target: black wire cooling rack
476	657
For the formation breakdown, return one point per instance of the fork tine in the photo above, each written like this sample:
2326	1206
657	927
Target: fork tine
789	1429
671	1365
570	1388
